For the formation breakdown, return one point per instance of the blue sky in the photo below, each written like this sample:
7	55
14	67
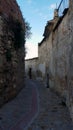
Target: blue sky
37	13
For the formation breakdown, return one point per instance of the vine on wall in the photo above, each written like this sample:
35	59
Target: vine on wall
19	35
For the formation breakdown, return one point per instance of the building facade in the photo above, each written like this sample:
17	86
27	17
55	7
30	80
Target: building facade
55	53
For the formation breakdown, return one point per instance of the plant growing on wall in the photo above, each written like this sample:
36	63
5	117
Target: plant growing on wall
19	35
27	30
15	26
20	32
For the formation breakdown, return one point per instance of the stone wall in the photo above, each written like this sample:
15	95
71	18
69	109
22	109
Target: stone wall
56	53
70	61
44	53
60	54
10	8
11	59
61	58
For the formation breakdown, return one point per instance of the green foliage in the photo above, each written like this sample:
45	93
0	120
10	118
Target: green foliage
18	36
27	30
18	31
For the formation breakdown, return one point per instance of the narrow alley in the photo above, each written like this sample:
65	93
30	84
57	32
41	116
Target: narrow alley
35	108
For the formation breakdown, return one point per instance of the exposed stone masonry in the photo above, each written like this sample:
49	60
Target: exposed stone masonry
11	60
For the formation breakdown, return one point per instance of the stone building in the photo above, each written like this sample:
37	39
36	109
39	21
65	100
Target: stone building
33	65
45	50
55	53
11	53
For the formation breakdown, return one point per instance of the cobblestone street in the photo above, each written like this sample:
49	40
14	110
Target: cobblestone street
35	108
18	113
53	115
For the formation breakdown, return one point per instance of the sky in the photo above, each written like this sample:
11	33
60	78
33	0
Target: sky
36	13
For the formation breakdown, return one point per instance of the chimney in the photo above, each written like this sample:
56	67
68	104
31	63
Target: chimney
55	13
56	17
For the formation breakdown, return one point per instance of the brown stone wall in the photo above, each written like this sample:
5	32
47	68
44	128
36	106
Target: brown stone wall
11	59
10	8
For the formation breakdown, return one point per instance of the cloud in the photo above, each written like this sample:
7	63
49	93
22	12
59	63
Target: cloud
41	14
52	6
36	10
29	1
31	50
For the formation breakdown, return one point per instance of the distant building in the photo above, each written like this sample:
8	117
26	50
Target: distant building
33	65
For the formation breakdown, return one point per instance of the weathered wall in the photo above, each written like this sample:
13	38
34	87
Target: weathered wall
62	64
60	49
70	65
42	59
11	60
10	8
56	52
33	64
44	52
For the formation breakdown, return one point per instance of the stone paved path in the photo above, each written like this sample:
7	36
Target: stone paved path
35	108
52	114
18	113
